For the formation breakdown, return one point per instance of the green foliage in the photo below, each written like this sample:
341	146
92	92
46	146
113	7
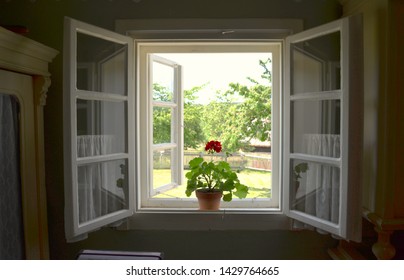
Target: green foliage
214	176
237	123
161	93
300	168
161	125
193	134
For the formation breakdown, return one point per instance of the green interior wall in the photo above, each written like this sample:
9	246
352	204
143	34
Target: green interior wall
44	19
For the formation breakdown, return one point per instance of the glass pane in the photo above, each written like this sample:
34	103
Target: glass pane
101	65
163	82
162	168
316	127
102	189
315	189
162	125
101	127
316	64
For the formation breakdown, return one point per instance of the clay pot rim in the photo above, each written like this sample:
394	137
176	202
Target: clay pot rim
209	191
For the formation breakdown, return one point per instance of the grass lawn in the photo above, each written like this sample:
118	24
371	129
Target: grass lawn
259	183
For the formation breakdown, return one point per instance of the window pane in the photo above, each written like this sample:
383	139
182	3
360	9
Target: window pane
315	189
163	82
102	189
162	168
316	64
101	127
101	65
316	127
162	119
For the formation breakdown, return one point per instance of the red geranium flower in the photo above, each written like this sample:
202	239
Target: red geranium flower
213	146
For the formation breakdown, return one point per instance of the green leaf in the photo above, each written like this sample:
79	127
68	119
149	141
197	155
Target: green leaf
228	185
241	190
194	163
227	197
223	165
189	175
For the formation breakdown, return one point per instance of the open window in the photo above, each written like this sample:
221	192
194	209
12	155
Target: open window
186	99
322	128
109	148
166	105
100	117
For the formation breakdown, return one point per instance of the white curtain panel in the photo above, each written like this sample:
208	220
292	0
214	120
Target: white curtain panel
11	226
319	190
98	192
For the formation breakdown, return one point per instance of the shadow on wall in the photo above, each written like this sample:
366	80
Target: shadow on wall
207	245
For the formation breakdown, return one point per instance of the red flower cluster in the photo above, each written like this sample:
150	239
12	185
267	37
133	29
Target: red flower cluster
213	146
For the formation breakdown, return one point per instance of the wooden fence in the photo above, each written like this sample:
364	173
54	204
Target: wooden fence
238	161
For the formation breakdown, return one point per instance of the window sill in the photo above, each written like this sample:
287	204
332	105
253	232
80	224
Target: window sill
194	220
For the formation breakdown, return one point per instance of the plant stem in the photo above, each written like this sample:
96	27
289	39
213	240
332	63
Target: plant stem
208	181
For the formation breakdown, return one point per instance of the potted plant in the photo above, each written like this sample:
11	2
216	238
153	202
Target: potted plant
213	180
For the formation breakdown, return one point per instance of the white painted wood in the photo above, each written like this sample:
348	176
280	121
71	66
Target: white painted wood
73	229
187	28
145	49
350	95
176	145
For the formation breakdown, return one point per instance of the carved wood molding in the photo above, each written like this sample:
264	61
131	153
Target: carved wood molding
42	84
23	55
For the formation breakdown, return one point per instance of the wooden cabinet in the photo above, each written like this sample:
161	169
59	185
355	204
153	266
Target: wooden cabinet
24	74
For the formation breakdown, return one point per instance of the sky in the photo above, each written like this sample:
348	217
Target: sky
217	69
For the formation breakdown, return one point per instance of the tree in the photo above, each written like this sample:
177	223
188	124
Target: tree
238	115
193	134
236	123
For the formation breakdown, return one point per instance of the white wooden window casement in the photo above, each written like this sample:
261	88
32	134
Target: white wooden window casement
321	113
165	144
322	128
99	122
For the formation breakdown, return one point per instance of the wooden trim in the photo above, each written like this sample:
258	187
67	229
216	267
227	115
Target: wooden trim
23	55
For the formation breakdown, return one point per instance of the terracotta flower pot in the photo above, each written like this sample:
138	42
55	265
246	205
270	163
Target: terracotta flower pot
209	200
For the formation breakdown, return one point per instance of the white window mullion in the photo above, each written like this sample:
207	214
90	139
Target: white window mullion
102	158
164	104
94	95
178	125
164	146
316	96
320	159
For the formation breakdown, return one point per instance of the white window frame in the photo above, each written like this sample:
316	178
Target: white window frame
350	96
145	51
176	126
195	220
75	230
